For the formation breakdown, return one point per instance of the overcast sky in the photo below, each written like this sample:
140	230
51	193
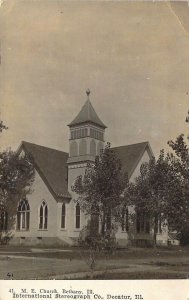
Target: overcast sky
134	57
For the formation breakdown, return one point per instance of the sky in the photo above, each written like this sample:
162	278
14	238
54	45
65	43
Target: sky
133	56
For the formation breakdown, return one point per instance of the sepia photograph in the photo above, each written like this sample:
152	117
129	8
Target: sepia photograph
94	143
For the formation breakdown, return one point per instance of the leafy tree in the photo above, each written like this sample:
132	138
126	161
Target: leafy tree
100	190
161	191
178	214
155	190
16	178
2	126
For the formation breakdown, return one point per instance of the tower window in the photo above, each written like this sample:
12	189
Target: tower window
82	147
82	132
43	216
77	216
23	215
73	148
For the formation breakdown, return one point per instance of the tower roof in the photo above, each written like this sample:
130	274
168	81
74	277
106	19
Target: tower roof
87	114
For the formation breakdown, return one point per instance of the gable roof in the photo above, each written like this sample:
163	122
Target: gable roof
51	164
52	167
87	114
130	155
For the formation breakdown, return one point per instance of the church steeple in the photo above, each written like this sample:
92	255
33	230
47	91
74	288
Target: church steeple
86	134
87	114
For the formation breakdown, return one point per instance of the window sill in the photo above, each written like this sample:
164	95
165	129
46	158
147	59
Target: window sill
63	229
77	229
22	230
42	229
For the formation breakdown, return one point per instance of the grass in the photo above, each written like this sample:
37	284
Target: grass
140	275
133	263
76	252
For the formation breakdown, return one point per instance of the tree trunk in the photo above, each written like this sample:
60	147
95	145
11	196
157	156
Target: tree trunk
103	224
155	230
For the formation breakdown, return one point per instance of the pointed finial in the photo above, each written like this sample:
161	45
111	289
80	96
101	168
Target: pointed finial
88	92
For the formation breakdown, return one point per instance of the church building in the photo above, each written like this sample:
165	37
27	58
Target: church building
49	215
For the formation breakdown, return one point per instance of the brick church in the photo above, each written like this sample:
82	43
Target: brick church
49	215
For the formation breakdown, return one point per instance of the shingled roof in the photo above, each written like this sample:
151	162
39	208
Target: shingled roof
52	167
130	155
87	114
51	164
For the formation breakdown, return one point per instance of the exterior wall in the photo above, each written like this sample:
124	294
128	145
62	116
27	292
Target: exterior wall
40	193
71	231
145	158
127	238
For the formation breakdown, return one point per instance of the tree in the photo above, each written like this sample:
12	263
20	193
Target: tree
16	178
155	190
178	214
100	190
161	191
2	126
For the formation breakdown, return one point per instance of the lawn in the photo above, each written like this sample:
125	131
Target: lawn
71	263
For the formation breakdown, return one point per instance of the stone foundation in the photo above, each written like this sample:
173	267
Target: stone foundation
38	241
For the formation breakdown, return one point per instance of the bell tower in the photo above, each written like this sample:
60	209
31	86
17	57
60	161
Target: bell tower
86	135
85	141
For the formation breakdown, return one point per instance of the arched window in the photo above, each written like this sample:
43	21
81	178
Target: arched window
43	216
125	220
82	132
93	148
77	216
23	215
73	149
86	134
4	221
142	223
82	147
63	216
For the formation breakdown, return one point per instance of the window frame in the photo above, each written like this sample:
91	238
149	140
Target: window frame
23	215
77	217
63	216
43	216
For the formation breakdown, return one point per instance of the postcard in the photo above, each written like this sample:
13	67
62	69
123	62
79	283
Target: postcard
94	102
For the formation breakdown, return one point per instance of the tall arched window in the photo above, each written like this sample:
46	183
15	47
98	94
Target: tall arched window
125	220
43	216
63	216
4	221
77	216
142	223
23	215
